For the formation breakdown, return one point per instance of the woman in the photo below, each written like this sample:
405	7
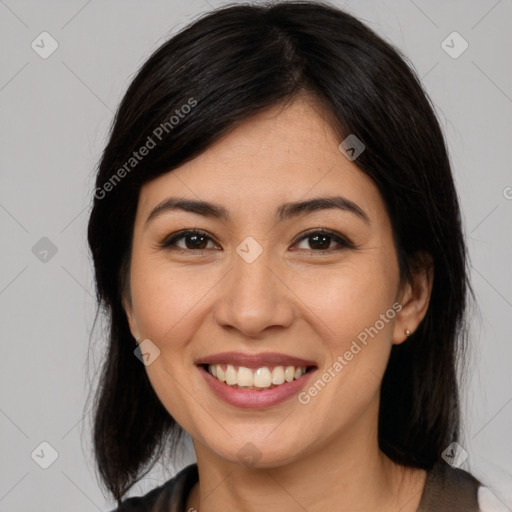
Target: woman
277	242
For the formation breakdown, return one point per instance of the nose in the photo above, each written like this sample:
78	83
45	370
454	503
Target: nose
254	298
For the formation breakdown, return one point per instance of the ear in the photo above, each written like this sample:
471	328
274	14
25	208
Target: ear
414	298
126	296
132	321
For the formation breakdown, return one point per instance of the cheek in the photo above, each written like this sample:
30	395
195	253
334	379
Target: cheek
165	298
352	309
347	300
347	314
166	303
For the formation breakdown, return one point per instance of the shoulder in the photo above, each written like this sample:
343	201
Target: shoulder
449	488
457	490
168	496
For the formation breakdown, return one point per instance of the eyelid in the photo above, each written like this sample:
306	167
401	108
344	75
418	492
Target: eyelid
338	237
343	241
170	241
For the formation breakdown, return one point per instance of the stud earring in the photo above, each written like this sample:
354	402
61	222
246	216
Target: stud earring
408	332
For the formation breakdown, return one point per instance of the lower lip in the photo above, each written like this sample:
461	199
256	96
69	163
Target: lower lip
253	398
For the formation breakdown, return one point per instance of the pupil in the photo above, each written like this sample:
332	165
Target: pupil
195	244
325	238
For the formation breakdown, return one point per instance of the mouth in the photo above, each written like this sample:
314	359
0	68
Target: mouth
266	370
256	378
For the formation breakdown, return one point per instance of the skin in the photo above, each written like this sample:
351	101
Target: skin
300	298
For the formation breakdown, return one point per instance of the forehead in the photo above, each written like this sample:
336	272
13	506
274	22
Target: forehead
284	154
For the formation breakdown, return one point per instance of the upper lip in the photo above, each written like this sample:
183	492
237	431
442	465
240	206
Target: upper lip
254	360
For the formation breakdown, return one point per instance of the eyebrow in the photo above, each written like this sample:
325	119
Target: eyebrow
284	212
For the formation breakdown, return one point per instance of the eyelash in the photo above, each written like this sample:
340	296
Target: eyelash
170	242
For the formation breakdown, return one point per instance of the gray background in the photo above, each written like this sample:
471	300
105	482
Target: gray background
55	114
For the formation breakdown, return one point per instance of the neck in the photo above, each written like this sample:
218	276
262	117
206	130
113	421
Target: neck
347	473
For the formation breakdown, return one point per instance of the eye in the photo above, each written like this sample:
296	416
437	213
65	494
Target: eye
194	240
319	241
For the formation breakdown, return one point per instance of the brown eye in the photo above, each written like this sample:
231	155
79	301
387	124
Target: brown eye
193	240
320	241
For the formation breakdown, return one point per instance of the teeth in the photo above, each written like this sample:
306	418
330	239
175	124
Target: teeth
278	375
244	377
260	378
289	373
231	375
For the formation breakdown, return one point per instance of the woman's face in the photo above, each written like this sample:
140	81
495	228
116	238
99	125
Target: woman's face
261	280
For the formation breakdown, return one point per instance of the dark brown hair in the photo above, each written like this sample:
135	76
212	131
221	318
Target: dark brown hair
235	62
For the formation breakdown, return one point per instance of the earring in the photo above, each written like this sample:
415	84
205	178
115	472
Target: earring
408	332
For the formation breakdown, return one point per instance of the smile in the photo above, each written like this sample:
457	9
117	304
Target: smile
241	377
